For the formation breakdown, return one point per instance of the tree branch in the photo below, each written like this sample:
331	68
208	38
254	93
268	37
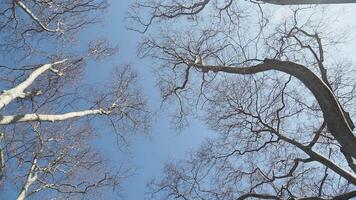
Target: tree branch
12	119
18	91
259	196
31	178
35	18
333	113
320	158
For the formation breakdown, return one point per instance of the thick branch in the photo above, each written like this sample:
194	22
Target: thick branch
11	119
298	2
18	91
31	178
320	158
314	156
349	160
333	114
348	195
34	17
2	158
258	196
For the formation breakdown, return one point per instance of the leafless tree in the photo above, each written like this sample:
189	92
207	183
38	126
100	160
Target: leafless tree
271	87
26	25
49	116
48	139
62	161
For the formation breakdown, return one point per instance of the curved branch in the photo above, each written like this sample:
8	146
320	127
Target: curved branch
169	12
333	114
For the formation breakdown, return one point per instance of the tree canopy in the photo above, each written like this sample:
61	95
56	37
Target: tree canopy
271	87
271	83
49	116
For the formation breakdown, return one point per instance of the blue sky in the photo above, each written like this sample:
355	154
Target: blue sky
148	153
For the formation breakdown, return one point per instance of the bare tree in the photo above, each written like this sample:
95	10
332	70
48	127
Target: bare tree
48	116
42	133
60	161
272	89
25	25
58	156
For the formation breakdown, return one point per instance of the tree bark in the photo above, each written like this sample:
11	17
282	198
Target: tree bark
31	178
333	113
11	119
18	91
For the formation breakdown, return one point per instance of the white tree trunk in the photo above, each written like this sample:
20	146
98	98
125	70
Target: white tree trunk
35	18
11	119
18	91
31	178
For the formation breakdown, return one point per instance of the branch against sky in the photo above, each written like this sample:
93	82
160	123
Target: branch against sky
120	105
277	98
19	91
50	116
23	24
60	162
